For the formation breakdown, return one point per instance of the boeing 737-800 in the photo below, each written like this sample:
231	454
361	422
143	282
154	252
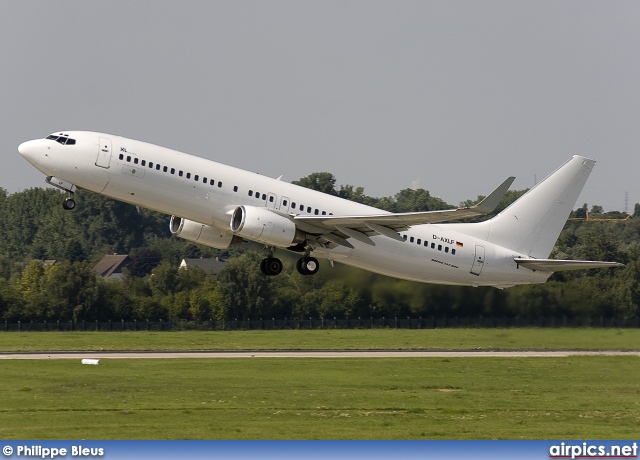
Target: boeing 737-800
218	206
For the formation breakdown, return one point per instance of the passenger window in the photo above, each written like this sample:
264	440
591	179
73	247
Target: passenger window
426	244
264	196
404	237
235	188
439	247
129	158
446	249
158	167
284	202
419	241
270	199
453	252
165	169
316	212
301	207
180	173
204	180
293	205
135	161
173	170
151	164
121	157
309	209
196	177
211	182
250	192
188	175
411	240
219	184
143	163
324	213
433	245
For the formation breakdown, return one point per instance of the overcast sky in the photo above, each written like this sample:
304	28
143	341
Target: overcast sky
450	96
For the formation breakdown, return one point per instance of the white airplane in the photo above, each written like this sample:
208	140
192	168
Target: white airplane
218	206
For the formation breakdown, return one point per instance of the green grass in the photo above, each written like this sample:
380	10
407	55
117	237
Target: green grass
406	398
363	339
351	398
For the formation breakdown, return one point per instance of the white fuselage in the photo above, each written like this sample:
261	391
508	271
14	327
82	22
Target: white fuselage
204	191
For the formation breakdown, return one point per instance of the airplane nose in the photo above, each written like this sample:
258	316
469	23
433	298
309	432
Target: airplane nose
29	150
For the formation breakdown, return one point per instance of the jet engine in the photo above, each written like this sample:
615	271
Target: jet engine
203	234
264	226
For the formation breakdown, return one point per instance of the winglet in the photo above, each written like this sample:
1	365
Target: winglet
491	201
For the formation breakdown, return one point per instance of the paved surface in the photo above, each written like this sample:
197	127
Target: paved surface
313	354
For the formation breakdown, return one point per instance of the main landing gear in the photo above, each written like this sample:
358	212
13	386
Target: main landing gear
306	265
271	266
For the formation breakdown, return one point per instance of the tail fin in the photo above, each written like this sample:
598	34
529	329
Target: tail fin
531	225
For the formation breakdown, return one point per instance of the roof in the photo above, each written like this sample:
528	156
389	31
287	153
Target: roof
111	264
209	266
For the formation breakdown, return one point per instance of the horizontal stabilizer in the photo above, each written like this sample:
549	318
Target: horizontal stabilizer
553	265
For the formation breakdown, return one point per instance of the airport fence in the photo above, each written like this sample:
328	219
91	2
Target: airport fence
322	323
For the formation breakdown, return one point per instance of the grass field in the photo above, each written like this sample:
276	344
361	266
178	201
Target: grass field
460	398
351	398
335	339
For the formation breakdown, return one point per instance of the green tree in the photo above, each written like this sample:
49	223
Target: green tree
244	287
320	181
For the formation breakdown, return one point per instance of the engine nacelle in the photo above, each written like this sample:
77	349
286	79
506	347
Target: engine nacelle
203	234
264	226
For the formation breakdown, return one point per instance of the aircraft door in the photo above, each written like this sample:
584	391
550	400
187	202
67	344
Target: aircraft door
284	204
478	262
104	153
272	199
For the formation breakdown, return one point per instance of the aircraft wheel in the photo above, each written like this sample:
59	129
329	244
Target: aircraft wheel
69	203
271	266
308	266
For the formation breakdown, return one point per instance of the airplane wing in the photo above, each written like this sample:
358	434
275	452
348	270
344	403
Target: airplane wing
337	229
553	265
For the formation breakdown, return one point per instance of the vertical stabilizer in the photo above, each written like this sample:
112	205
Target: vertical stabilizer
532	224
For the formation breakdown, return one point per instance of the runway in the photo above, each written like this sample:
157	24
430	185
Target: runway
313	354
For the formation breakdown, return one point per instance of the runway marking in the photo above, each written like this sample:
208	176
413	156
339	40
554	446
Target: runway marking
315	354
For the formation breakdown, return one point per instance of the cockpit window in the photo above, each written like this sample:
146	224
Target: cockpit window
64	139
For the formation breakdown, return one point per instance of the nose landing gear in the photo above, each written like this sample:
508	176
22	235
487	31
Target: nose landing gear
69	203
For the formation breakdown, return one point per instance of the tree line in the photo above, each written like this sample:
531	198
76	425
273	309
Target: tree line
36	228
